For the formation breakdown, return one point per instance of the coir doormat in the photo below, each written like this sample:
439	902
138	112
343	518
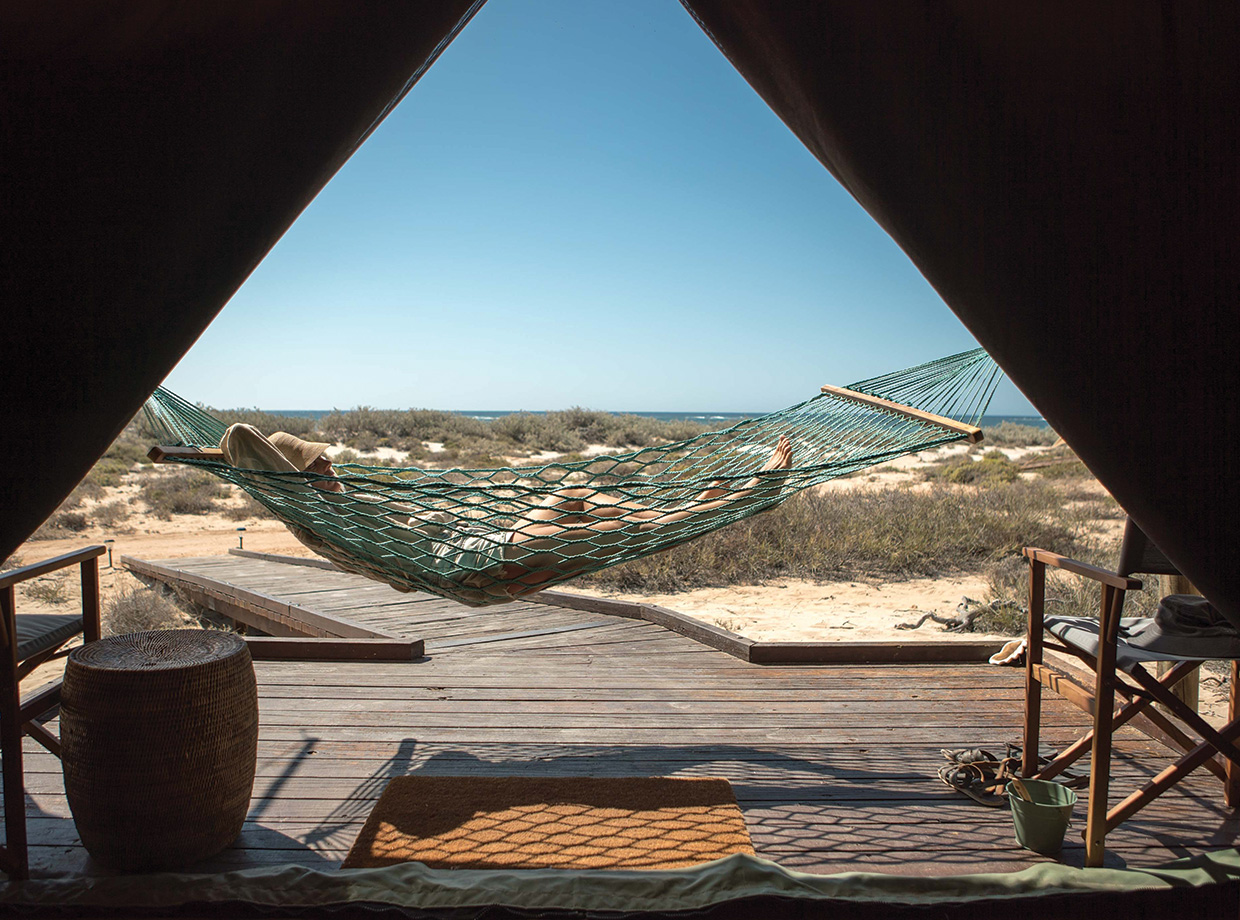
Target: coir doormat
510	822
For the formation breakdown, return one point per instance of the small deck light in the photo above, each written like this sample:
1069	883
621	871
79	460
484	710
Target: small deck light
108	544
240	538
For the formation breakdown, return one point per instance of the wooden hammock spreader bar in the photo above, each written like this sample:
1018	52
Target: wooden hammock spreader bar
971	432
160	454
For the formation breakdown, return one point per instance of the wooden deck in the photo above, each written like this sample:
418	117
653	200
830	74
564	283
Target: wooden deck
833	765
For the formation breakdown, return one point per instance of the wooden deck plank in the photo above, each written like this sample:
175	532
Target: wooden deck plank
833	765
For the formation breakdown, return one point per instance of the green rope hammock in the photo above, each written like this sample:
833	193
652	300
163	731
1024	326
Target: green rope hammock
481	536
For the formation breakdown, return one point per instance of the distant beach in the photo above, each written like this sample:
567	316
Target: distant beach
714	419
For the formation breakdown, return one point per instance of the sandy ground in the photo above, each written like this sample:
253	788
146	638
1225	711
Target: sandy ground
787	610
792	610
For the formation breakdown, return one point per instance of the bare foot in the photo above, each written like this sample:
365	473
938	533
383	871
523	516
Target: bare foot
781	459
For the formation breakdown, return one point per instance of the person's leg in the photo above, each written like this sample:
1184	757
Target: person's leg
558	505
780	459
576	513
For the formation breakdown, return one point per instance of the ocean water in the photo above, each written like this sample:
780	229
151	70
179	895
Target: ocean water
713	419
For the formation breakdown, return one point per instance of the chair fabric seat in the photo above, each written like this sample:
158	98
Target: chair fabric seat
1140	641
39	632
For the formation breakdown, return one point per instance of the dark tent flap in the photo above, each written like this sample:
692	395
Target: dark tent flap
1066	176
153	152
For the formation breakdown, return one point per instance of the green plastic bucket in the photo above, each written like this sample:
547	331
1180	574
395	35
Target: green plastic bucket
1040	824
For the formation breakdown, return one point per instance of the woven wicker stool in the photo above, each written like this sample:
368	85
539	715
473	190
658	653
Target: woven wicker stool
159	734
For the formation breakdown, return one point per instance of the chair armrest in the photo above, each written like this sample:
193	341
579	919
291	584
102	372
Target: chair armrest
27	572
1046	557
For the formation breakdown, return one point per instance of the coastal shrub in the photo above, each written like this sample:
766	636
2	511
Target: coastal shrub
80	492
397	425
48	590
61	524
108	472
366	442
130	447
520	427
891	533
1007	598
143	610
247	510
1010	434
13	562
416	450
267	422
1065	469
110	514
560	431
182	492
993	468
1100	507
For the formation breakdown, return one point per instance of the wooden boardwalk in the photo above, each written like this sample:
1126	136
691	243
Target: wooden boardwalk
833	765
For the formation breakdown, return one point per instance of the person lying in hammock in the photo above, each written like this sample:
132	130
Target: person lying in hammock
569	529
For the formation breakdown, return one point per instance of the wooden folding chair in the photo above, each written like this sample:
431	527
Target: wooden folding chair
27	641
1104	645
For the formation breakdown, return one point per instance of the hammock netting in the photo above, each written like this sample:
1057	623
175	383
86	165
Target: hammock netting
489	536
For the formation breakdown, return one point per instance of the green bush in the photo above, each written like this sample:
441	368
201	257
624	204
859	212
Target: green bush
993	468
182	492
562	431
130	448
1009	434
267	422
108	472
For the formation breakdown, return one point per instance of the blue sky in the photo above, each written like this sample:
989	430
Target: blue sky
581	203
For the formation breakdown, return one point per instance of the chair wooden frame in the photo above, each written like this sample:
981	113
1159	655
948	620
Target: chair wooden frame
1215	750
17	715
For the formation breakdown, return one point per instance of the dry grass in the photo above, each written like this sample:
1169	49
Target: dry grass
1066	595
48	590
182	492
891	533
248	510
143	610
110	514
61	524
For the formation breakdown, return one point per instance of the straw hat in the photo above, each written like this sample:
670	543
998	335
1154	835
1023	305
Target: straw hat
300	453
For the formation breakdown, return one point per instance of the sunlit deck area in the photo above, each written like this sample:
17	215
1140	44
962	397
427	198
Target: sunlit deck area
833	765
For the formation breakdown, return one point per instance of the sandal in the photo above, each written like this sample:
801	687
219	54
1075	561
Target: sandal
973	782
969	756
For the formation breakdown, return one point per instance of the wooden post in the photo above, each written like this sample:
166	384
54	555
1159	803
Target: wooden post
1188	689
14	853
91	611
1033	659
1231	788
